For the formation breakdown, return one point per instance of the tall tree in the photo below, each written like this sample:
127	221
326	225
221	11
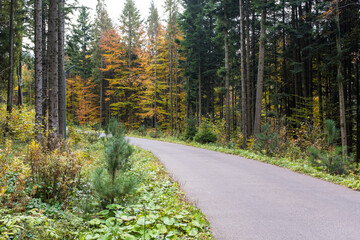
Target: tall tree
260	75
11	60
53	68
61	69
102	24
340	78
130	28
153	33
38	69
243	75
171	8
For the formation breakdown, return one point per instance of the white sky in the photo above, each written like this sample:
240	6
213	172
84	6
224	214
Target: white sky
114	8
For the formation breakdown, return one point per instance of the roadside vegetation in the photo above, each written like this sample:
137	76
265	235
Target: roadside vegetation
314	150
88	188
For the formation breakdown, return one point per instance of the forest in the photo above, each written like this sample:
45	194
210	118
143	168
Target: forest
279	78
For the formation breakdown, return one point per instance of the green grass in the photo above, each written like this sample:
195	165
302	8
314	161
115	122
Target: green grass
302	166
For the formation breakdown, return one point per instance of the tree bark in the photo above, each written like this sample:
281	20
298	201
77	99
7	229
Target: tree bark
53	69
227	75
20	83
155	93
11	60
243	76
199	93
340	79
38	70
260	79
61	59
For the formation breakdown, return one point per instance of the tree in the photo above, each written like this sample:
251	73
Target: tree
102	24
260	75
11	60
243	75
340	79
153	33
53	69
130	29
61	69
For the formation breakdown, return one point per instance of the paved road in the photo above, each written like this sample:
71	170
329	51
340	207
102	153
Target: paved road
247	199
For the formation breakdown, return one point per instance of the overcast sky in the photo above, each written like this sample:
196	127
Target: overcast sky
114	7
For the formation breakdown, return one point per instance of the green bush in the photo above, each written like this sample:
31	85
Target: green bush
267	141
332	158
331	161
191	129
155	133
141	131
205	135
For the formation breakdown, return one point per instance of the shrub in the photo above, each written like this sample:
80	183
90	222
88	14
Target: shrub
20	124
267	141
56	173
332	158
331	161
191	129
155	133
141	130
116	181
15	191
205	135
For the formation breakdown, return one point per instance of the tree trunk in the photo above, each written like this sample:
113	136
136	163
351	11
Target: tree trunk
227	75
243	76
11	60
357	160
155	87
199	93
61	56
171	93
260	80
20	83
340	79
249	103
38	70
53	69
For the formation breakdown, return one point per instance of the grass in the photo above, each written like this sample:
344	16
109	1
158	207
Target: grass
299	165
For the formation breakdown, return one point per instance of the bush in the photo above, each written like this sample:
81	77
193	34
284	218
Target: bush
20	124
15	191
191	129
332	158
205	135
267	141
141	131
55	173
116	181
155	133
331	161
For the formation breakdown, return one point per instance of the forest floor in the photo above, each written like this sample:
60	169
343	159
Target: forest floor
158	209
247	199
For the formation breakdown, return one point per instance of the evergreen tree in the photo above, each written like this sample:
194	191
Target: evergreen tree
130	24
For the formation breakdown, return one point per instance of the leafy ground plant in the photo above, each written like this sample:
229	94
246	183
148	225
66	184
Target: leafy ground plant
160	210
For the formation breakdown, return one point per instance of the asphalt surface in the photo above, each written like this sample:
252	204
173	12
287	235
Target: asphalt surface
247	199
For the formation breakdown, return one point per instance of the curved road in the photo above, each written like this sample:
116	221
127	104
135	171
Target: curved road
247	199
